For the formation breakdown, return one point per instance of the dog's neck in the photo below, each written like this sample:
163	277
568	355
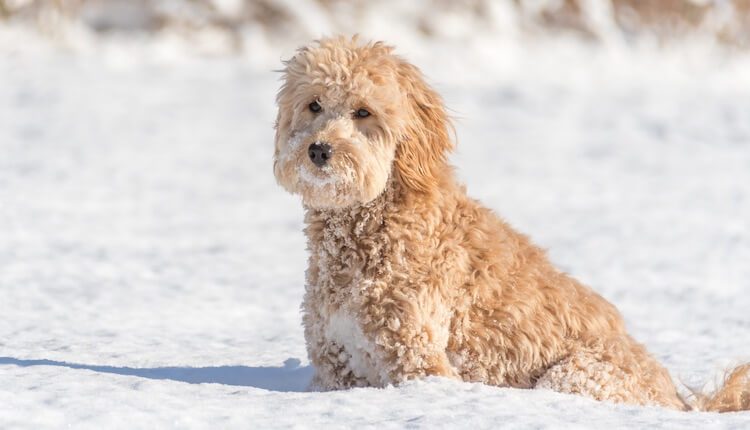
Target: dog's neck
357	242
352	243
357	220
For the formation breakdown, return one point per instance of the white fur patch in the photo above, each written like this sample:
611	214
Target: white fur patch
291	146
307	176
297	139
344	329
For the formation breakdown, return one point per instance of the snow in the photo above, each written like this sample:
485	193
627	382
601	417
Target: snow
151	269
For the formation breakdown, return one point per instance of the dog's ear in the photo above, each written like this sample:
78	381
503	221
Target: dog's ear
282	124
284	104
421	154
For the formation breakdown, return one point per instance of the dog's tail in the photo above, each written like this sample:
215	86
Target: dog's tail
731	396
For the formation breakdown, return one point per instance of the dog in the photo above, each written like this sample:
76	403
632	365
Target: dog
408	277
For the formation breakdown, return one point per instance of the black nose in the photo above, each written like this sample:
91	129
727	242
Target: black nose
319	153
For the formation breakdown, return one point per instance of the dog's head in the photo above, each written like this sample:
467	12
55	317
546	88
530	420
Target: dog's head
353	117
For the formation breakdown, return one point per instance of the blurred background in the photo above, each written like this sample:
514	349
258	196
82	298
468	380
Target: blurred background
254	27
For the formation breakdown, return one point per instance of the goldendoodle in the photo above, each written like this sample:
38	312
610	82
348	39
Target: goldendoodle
408	277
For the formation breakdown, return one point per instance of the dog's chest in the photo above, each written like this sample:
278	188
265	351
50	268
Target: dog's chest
349	258
357	351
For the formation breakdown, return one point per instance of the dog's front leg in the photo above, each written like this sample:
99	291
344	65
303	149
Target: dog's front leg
411	338
332	371
329	358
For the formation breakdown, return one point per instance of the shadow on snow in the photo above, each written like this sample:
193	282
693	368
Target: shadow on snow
289	377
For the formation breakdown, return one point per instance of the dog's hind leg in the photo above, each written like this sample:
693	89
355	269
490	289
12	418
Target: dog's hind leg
617	370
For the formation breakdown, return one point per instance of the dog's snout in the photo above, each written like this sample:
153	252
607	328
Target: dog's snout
319	153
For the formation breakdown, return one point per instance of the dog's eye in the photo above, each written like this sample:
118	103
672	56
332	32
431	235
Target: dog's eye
315	107
362	113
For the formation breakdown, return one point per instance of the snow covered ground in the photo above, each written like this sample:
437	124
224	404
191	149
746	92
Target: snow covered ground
151	270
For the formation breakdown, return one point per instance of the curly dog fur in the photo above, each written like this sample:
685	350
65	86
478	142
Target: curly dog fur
409	277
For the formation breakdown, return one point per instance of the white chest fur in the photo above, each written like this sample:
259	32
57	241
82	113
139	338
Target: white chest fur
359	352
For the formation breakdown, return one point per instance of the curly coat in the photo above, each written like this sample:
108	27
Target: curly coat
408	277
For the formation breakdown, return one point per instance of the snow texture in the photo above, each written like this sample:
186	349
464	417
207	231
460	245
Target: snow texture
151	270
